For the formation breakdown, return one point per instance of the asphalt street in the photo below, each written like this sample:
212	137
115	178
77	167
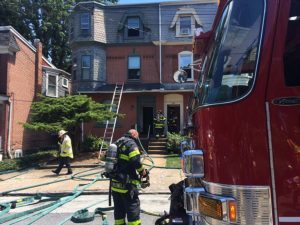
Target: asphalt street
153	203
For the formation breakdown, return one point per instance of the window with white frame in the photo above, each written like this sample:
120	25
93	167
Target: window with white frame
185	25
85	21
65	82
134	67
133	26
52	85
185	60
85	67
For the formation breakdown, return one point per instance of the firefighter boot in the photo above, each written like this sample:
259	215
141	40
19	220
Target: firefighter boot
69	171
54	171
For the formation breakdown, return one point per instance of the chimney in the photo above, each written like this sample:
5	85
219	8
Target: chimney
38	66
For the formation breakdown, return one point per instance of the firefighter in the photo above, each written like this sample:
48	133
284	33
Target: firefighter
126	182
159	124
65	152
172	122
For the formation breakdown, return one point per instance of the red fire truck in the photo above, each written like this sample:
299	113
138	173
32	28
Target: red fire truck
246	117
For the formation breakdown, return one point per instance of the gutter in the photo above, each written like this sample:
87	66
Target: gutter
10	103
160	54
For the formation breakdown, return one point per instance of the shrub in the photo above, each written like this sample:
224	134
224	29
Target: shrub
93	143
27	161
173	143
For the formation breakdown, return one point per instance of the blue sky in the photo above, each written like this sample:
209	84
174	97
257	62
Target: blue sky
141	1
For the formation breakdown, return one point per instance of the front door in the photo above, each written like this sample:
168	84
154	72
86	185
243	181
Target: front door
283	108
147	120
173	118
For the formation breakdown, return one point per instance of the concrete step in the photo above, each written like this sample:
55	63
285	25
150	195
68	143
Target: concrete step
156	148
159	152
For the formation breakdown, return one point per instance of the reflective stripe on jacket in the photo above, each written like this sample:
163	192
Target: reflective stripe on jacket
129	165
66	148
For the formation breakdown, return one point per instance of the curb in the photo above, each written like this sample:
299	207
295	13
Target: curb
83	193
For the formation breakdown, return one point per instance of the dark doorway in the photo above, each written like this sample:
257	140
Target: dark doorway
173	118
147	120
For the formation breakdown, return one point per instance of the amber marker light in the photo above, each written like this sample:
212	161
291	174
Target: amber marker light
232	211
210	207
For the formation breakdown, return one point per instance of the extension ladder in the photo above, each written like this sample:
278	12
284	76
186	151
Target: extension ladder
111	124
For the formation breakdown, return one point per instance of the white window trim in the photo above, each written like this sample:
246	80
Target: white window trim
186	12
192	60
192	28
62	82
47	82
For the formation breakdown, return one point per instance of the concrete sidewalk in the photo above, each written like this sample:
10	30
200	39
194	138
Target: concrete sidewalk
160	180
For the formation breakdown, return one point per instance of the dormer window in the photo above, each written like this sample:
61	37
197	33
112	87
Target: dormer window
185	25
133	27
185	21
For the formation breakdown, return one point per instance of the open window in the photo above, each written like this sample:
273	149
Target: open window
185	61
133	27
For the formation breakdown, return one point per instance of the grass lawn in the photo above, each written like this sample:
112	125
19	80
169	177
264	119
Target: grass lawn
173	161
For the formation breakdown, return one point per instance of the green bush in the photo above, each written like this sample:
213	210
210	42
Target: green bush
27	161
93	143
173	143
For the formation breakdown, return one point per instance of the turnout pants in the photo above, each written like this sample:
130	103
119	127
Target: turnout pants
127	204
64	161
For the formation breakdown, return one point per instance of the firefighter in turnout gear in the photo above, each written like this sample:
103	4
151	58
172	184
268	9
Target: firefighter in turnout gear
65	152
159	124
126	181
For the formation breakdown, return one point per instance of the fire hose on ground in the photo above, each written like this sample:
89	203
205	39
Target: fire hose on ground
80	215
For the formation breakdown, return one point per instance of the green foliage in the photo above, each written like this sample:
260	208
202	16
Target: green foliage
173	143
27	160
45	20
173	161
53	114
93	143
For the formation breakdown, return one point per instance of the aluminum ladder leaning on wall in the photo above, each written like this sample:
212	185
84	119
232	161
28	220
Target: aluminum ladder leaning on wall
111	124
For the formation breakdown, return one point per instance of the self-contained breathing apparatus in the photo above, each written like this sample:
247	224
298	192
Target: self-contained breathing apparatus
111	166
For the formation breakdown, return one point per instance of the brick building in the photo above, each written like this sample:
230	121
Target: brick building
142	46
24	72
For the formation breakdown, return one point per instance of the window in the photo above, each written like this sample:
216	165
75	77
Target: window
51	85
185	25
184	60
134	67
133	27
291	57
232	62
65	82
85	21
85	67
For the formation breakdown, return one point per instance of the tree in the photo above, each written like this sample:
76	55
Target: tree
53	114
45	20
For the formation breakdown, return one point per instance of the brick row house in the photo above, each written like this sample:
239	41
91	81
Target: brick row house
24	72
142	46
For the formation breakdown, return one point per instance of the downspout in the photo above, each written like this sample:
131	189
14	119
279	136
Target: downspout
10	106
160	53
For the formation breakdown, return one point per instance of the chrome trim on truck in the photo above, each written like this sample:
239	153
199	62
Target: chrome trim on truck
254	204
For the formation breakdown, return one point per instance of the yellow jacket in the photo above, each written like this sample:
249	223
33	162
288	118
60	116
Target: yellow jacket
66	147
